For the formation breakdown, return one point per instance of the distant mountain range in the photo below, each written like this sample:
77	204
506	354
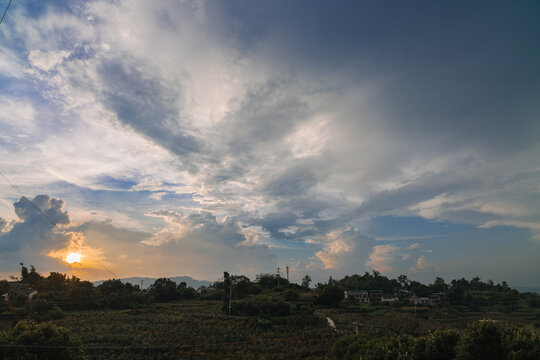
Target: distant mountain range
527	289
146	281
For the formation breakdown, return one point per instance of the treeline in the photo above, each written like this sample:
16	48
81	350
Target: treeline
474	293
58	293
486	340
241	296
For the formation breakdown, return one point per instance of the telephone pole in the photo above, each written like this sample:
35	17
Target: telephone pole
287	273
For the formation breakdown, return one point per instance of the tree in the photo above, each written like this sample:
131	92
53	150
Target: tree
439	285
306	280
163	290
481	341
403	281
269	281
330	295
4	287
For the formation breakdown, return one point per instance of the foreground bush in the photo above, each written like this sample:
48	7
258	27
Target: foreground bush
480	341
30	340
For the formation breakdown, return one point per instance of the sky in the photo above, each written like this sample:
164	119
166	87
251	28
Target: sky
165	138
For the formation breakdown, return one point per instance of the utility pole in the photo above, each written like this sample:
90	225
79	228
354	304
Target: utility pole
287	273
231	283
230	297
278	276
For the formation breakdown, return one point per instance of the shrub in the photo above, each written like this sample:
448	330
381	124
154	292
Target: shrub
41	309
256	305
24	341
330	295
291	295
481	341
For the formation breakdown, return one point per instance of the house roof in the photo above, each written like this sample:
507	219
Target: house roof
356	292
21	289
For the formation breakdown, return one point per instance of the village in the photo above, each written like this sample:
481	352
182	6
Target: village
379	297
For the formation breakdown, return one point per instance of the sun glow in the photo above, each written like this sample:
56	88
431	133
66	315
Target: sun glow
73	258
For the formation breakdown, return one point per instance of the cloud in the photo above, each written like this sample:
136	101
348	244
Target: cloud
422	265
34	232
293	130
346	250
47	60
193	244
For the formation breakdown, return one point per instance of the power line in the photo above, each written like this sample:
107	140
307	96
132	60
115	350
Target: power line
52	222
5	11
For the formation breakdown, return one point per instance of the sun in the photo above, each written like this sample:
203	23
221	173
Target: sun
73	258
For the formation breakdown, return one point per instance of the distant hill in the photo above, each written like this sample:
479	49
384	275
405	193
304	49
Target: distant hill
527	289
146	281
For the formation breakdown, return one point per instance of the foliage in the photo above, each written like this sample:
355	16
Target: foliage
484	341
291	295
30	340
329	295
197	330
374	281
270	281
260	305
306	280
163	290
4	286
40	309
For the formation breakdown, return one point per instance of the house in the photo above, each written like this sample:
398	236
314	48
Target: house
205	289
358	295
423	300
375	296
9	321
405	293
437	298
389	298
18	289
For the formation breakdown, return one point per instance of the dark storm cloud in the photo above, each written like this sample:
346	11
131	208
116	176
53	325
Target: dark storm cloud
459	73
146	103
255	128
292	182
267	113
35	227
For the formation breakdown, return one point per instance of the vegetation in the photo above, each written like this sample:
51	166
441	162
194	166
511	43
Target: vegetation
30	340
240	318
486	341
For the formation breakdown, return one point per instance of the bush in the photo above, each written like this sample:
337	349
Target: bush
212	295
256	305
57	342
291	295
41	309
479	341
330	295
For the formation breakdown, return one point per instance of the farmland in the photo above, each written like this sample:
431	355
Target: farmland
268	318
196	329
191	330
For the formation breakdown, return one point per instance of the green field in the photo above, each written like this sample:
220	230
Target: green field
197	329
